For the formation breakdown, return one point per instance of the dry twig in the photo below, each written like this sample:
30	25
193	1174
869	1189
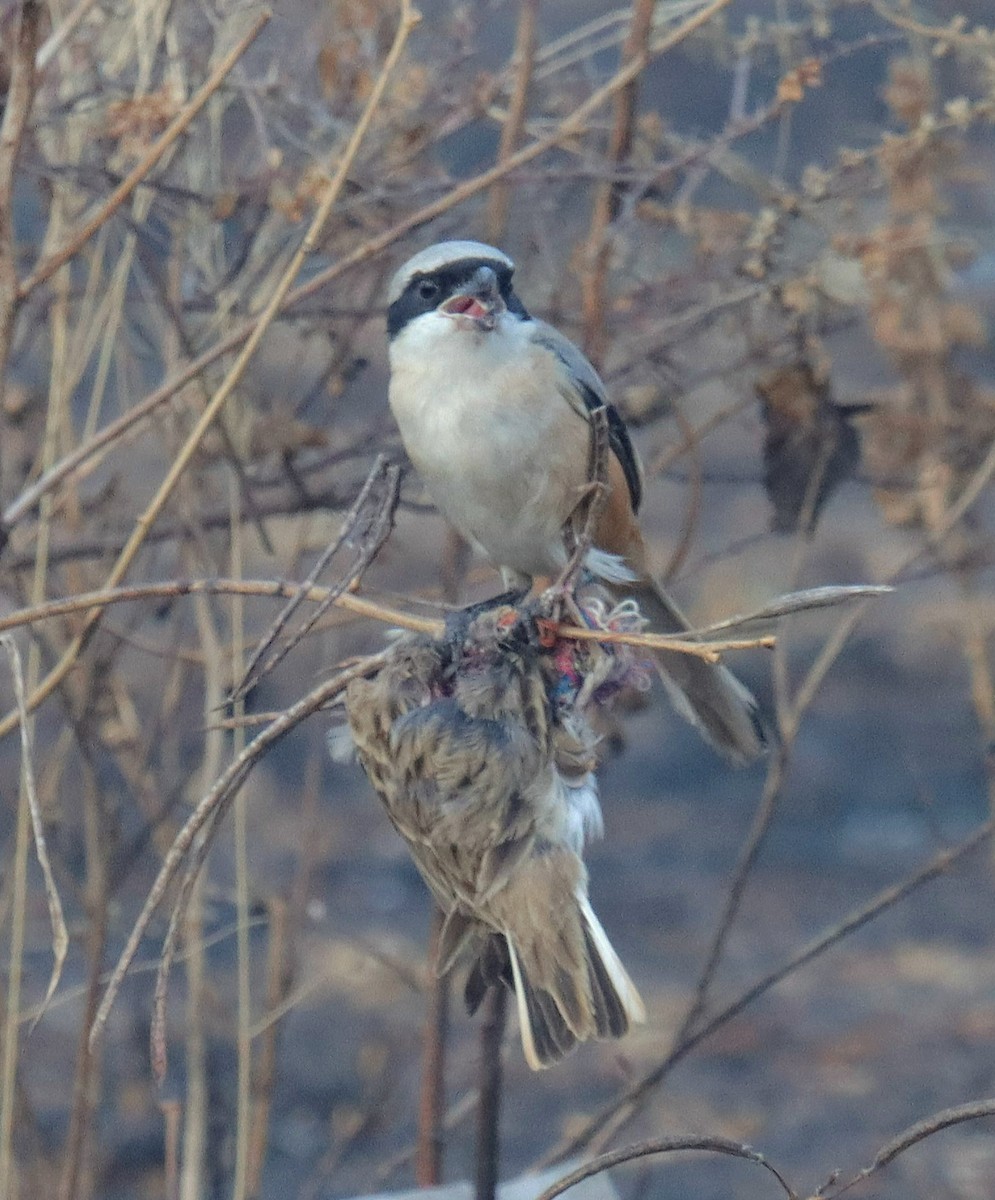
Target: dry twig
667	1145
60	934
375	532
17	109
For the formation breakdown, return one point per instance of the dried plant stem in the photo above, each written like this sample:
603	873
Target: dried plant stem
279	976
183	120
488	1149
358	605
85	1091
409	18
377	530
243	1107
569	127
432	1100
667	1145
635	57
59	36
195	1109
17	109
948	1117
8	1063
514	122
171	1118
60	934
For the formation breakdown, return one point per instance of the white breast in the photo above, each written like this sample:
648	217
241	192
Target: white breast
486	423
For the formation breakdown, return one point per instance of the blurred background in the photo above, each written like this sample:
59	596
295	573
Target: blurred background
778	246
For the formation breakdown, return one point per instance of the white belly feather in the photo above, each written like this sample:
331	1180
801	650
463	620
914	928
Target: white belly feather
486	423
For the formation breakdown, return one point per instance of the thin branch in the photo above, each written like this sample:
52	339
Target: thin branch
59	36
514	122
607	201
57	920
362	607
925	1128
17	109
432	1097
808	600
665	1145
488	1148
381	522
592	502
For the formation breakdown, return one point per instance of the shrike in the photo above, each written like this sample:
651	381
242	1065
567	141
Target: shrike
494	410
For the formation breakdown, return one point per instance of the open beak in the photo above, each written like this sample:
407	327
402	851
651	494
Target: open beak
478	304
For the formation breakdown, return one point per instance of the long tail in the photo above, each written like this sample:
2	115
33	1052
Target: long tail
570	986
706	694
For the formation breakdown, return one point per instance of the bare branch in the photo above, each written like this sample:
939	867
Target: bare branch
376	532
666	1145
17	109
974	1111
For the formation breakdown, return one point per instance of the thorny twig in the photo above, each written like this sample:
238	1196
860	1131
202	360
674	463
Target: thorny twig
359	605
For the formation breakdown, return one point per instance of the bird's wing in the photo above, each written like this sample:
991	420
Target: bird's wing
460	796
585	382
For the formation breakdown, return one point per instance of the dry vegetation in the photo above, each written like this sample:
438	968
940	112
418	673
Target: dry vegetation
770	223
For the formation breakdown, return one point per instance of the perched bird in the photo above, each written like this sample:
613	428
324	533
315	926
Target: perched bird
494	409
487	777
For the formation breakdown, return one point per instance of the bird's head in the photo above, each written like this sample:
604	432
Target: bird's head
465	285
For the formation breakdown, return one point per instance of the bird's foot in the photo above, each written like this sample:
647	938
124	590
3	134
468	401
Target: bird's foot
554	604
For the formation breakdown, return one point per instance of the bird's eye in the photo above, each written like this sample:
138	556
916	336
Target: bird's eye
428	289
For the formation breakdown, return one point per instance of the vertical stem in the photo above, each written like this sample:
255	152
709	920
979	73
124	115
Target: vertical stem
171	1116
431	1102
8	1069
514	122
607	200
243	1122
20	95
74	1182
279	975
489	1110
